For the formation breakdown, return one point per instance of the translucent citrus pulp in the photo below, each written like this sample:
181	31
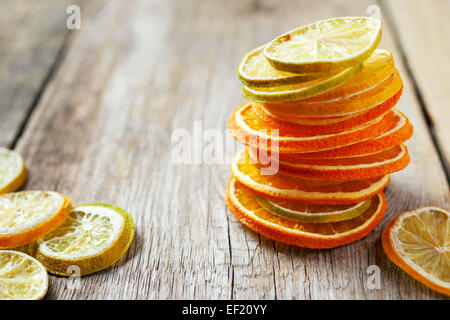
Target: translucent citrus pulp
21	277
12	171
243	204
255	70
311	191
369	166
325	45
93	238
28	215
418	242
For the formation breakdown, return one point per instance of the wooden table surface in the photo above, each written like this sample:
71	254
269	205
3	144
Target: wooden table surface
92	112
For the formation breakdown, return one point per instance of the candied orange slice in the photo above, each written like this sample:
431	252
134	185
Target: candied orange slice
278	185
374	165
418	241
327	125
340	106
247	128
243	205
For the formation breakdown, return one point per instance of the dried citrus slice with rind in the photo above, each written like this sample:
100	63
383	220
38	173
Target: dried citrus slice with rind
93	237
256	71
326	125
326	45
341	106
281	186
12	171
243	205
249	129
398	132
28	215
303	212
369	166
293	92
21	277
418	242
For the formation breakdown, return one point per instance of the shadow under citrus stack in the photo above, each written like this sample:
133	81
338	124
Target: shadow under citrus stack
327	123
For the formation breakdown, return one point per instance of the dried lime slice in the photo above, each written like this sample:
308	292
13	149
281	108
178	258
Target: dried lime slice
300	91
312	213
93	237
325	46
256	71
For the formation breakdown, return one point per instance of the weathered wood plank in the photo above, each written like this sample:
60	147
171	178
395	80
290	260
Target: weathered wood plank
422	27
138	70
32	34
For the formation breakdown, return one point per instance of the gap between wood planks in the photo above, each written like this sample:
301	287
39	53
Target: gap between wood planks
51	72
444	162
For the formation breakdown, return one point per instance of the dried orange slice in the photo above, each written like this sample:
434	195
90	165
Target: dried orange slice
293	92
312	213
311	191
418	241
247	128
256	71
12	171
325	45
374	165
397	133
243	205
341	106
28	215
326	125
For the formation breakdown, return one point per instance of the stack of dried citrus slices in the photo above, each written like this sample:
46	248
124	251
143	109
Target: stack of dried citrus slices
321	134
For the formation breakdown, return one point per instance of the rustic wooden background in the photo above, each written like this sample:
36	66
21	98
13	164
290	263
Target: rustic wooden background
92	112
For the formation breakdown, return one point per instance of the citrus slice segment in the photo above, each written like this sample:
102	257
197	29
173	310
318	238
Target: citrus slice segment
341	106
28	215
21	277
303	212
249	129
12	171
325	45
243	205
374	165
397	133
293	92
93	237
418	242
327	125
282	186
256	71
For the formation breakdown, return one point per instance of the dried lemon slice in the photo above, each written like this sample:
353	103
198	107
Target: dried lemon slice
92	238
304	90
28	215
312	213
418	242
21	277
256	71
325	46
12	171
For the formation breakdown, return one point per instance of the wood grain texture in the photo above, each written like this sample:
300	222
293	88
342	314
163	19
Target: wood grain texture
101	132
422	27
32	34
